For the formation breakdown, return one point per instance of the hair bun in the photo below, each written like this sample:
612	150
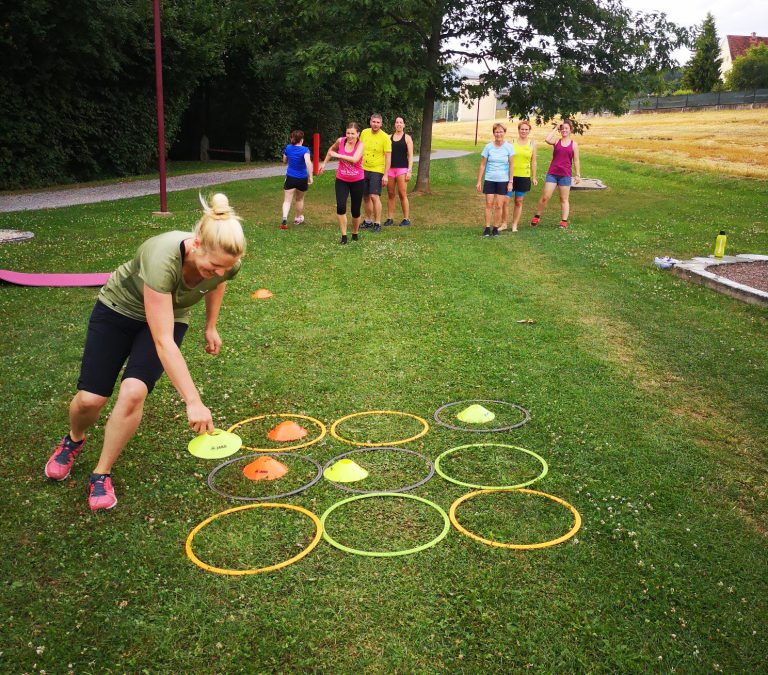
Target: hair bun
220	204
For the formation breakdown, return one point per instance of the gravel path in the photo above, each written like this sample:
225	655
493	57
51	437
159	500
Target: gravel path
752	274
54	199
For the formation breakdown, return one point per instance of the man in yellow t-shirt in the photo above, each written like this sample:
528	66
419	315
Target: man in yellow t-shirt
376	160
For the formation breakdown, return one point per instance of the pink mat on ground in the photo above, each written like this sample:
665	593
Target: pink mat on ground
27	279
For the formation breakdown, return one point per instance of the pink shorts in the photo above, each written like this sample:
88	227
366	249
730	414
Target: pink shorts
394	173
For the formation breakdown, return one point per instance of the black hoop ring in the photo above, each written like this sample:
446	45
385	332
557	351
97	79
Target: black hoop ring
526	416
306	486
407	488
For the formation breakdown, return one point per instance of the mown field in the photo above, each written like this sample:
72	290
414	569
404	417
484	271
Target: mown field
728	142
646	395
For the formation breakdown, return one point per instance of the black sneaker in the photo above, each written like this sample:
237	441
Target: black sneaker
343	239
366	225
388	222
354	236
487	232
405	222
376	227
495	232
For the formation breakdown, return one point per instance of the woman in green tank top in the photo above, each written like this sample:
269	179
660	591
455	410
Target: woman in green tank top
139	320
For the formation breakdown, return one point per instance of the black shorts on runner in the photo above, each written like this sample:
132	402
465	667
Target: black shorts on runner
372	183
492	187
300	184
521	184
111	339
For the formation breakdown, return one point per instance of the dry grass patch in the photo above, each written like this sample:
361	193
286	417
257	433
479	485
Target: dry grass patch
730	142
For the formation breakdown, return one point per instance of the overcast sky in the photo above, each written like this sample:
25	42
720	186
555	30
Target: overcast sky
732	17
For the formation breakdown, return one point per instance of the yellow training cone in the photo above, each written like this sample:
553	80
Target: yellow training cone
265	468
345	471
476	414
261	294
216	445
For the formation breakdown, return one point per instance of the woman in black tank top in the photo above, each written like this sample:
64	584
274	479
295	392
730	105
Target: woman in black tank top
400	173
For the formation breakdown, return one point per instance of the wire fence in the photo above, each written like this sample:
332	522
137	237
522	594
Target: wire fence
715	98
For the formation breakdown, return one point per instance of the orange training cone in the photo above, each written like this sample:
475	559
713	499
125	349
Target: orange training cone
265	468
261	294
287	431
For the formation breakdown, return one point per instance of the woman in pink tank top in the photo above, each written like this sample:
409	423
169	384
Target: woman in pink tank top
564	154
349	178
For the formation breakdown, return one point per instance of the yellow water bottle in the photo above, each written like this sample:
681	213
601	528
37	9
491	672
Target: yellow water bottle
720	244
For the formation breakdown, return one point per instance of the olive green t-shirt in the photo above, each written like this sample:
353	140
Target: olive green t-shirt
158	265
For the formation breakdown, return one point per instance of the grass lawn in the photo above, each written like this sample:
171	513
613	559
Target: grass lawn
647	398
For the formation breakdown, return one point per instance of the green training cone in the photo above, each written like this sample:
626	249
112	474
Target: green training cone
345	471
476	414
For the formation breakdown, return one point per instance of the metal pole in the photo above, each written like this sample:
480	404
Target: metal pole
477	119
160	114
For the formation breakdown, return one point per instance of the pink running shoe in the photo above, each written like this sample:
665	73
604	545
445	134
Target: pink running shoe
60	462
298	220
101	494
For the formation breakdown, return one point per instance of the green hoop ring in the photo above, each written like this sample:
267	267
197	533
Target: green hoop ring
441	473
385	554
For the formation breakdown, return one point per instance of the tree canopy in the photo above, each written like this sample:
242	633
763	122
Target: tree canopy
751	70
78	77
702	72
543	60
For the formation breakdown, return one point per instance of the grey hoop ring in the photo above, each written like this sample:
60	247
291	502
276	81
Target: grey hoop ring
407	488
306	486
526	416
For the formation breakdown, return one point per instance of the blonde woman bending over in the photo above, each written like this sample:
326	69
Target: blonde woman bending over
140	317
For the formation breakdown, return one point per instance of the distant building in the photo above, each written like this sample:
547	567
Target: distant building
734	46
484	109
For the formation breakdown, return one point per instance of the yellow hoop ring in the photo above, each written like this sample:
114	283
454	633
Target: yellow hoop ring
219	570
323	431
519	547
378	412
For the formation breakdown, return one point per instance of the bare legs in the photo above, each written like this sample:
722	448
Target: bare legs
84	411
517	211
494	203
299	205
401	186
342	218
372	204
287	199
549	190
565	206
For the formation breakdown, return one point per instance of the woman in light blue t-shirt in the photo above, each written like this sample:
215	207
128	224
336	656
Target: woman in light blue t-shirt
494	179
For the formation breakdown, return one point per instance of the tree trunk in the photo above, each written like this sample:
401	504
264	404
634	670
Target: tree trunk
433	67
422	178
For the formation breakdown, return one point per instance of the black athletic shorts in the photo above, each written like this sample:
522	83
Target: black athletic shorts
372	183
111	339
521	184
493	187
300	184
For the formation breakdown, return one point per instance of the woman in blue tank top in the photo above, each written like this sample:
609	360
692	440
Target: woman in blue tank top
298	177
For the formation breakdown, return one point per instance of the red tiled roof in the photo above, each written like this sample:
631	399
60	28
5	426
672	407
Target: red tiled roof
738	44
